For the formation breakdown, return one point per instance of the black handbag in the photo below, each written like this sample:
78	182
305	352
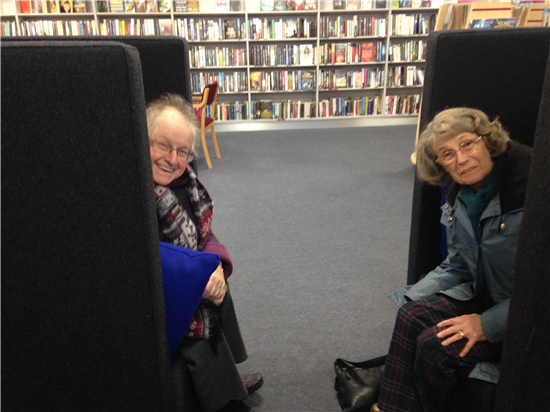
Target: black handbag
357	384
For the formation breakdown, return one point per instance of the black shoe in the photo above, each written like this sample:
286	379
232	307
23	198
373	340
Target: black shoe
252	382
236	406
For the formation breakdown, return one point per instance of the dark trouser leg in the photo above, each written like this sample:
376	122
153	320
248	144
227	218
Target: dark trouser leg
402	389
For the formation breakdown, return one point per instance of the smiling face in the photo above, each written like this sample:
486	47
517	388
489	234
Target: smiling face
466	169
172	131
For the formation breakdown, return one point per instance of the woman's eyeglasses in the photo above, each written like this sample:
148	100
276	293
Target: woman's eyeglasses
448	156
167	148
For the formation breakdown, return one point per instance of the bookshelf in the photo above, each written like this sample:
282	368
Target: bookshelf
364	61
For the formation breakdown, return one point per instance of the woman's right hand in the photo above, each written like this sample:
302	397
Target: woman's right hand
216	287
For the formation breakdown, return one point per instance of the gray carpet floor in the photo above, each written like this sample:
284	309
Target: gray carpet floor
317	224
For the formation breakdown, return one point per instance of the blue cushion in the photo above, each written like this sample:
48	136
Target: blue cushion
185	274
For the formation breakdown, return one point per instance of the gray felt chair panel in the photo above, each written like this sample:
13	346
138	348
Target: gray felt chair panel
83	324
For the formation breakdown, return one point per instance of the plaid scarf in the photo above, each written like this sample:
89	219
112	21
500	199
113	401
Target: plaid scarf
176	224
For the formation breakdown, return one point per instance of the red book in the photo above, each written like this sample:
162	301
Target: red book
366	53
372	26
25	6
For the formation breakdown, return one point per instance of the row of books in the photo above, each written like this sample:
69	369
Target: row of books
58	28
283	80
351	79
287	5
209	29
8	28
200	56
135	27
407	51
409	104
282	55
271	29
367	52
405	76
232	111
134	6
409	24
228	82
48	7
289	109
354	27
359	5
342	106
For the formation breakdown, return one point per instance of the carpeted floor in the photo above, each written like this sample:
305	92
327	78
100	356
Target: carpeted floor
317	224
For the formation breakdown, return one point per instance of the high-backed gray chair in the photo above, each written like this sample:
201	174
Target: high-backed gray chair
524	383
484	69
83	319
164	62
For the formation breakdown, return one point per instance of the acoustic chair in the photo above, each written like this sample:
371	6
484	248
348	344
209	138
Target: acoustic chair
208	98
480	69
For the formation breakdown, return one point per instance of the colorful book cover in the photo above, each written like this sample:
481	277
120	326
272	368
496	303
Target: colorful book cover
280	5
306	54
340	52
367	52
291	28
230	29
310	5
193	6
267	5
256	81
129	6
180	6
266	109
37	7
165	27
65	6
339	5
222	6
25	6
140	6
308	82
298	4
151	6
53	6
164	6
351	5
79	6
290	5
340	78
492	23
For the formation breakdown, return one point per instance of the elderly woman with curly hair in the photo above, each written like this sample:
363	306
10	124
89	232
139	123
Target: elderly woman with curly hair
455	317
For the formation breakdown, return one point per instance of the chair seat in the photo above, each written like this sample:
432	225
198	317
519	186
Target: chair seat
207	120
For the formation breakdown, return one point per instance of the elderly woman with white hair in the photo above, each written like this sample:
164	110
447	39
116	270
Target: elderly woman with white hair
213	344
455	317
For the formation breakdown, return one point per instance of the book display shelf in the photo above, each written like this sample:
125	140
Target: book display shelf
273	59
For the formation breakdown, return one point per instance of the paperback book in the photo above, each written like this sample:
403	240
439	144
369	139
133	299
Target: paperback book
140	6
180	6
129	6
306	54
280	5
308	82
79	6
256	81
492	23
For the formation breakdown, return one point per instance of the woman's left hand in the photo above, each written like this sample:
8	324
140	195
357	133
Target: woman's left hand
462	327
215	288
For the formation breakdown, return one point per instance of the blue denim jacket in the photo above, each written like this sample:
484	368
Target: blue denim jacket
481	262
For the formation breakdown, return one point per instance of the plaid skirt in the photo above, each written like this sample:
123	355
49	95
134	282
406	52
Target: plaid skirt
420	373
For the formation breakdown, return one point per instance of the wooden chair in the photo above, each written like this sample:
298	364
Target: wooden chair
208	98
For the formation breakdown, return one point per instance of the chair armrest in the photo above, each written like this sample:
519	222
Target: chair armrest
196	98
